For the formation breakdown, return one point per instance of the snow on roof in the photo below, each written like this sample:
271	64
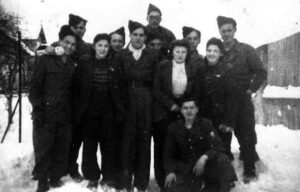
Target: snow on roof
275	92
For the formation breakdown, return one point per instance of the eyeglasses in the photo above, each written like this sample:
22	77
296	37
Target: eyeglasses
152	17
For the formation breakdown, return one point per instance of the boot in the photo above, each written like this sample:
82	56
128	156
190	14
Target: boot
76	177
55	183
249	172
42	185
92	184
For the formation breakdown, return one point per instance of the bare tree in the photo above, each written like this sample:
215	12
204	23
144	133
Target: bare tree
8	56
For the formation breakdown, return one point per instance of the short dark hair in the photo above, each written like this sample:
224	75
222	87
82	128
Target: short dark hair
188	99
217	42
101	36
65	30
180	43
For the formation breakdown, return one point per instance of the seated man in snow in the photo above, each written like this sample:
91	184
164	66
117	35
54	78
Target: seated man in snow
193	157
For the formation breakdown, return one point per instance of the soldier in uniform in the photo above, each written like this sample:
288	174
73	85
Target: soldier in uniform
82	52
154	18
248	70
138	63
50	95
193	156
194	37
218	93
117	40
78	25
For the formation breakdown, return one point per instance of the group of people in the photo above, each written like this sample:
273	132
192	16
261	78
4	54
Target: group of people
104	95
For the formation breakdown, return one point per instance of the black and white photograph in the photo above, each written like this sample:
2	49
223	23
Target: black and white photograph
149	96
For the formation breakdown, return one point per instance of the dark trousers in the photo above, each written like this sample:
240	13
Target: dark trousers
225	137
99	129
77	139
217	177
245	132
137	139
51	141
119	130
160	132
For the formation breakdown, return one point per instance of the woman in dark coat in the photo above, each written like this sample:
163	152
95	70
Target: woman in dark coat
174	80
99	107
218	95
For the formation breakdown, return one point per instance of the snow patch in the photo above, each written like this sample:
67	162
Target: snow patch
289	92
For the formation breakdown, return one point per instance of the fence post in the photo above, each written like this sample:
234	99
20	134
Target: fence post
20	85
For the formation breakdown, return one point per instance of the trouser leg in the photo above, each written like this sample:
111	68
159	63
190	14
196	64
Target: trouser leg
90	167
219	174
245	133
143	139
128	150
43	143
107	146
61	150
160	132
159	141
77	139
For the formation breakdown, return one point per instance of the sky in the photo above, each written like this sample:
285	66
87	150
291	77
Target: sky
258	21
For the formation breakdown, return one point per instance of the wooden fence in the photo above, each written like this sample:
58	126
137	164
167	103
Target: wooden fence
282	61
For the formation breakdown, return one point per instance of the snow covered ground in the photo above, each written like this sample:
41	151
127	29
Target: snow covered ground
278	169
289	92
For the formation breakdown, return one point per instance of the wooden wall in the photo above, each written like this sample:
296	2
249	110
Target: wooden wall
282	61
282	111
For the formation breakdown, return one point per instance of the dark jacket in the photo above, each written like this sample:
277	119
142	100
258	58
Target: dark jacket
51	88
196	59
219	94
138	73
84	86
162	88
246	66
185	146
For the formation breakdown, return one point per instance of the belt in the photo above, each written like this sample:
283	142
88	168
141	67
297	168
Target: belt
135	84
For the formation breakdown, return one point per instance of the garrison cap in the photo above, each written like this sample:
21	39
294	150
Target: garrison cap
133	25
75	19
153	8
187	30
221	20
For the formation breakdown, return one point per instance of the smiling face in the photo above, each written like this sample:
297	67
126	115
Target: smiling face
179	54
138	38
79	29
213	54
193	39
227	32
101	48
117	42
154	19
68	43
